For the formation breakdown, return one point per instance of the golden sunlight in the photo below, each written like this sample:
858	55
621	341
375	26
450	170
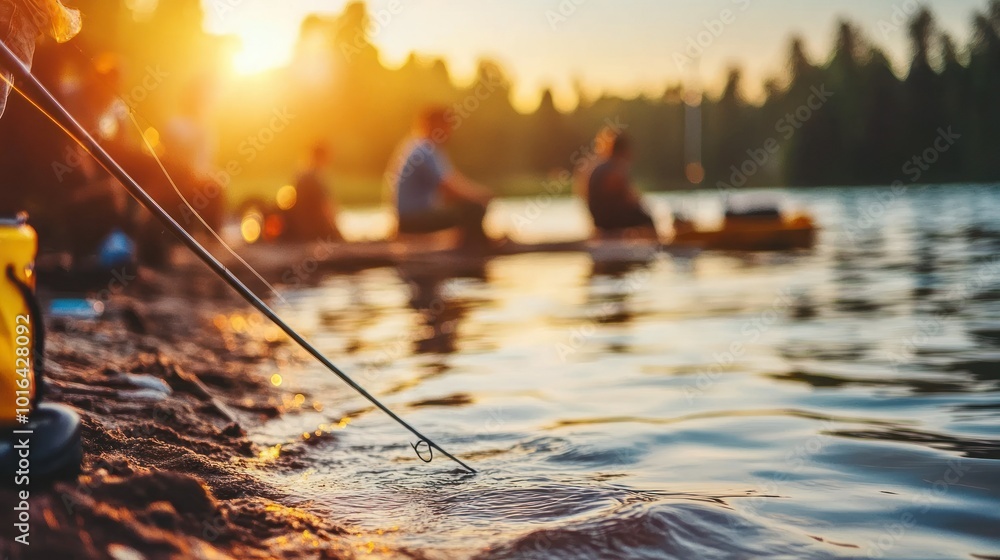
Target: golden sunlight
262	48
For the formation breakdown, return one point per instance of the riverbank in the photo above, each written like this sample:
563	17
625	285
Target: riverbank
165	384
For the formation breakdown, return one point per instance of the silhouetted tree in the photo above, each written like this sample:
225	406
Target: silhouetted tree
983	142
338	89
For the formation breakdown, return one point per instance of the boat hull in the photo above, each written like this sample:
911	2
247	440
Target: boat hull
757	237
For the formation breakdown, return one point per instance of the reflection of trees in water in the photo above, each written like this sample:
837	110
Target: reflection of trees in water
611	307
932	336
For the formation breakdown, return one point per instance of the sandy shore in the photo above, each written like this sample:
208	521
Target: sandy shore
165	390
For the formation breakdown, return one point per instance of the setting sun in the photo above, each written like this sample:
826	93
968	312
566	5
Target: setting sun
262	47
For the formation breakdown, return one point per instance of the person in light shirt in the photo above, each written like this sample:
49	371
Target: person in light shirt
431	195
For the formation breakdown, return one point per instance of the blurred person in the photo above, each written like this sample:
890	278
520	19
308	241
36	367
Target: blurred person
431	195
188	135
311	214
614	203
91	94
107	108
96	208
95	100
91	208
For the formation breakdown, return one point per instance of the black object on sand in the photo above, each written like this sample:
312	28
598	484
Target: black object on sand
40	97
45	449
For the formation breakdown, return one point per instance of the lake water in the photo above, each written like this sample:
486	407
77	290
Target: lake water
842	402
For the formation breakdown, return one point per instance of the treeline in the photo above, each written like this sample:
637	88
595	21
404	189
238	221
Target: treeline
876	126
848	119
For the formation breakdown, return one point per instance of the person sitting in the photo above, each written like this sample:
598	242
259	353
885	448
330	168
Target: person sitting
614	204
431	195
311	215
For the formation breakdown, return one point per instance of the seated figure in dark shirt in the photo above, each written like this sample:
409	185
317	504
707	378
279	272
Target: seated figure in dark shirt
312	214
614	204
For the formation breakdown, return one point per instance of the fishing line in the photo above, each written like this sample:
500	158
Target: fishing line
159	162
132	112
52	109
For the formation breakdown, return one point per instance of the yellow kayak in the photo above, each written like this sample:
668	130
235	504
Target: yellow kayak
750	234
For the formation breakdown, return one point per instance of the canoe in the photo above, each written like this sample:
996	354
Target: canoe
306	263
289	262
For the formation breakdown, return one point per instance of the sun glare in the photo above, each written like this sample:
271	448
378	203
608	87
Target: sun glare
261	48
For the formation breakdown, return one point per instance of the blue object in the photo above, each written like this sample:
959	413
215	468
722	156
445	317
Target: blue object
76	308
118	249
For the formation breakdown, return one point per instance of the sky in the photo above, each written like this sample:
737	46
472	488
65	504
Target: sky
625	47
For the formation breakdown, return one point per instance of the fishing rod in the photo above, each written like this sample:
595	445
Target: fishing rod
45	102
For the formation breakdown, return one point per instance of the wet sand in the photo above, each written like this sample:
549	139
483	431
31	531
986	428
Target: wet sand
165	391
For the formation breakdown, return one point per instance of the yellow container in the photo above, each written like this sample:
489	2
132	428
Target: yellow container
18	247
